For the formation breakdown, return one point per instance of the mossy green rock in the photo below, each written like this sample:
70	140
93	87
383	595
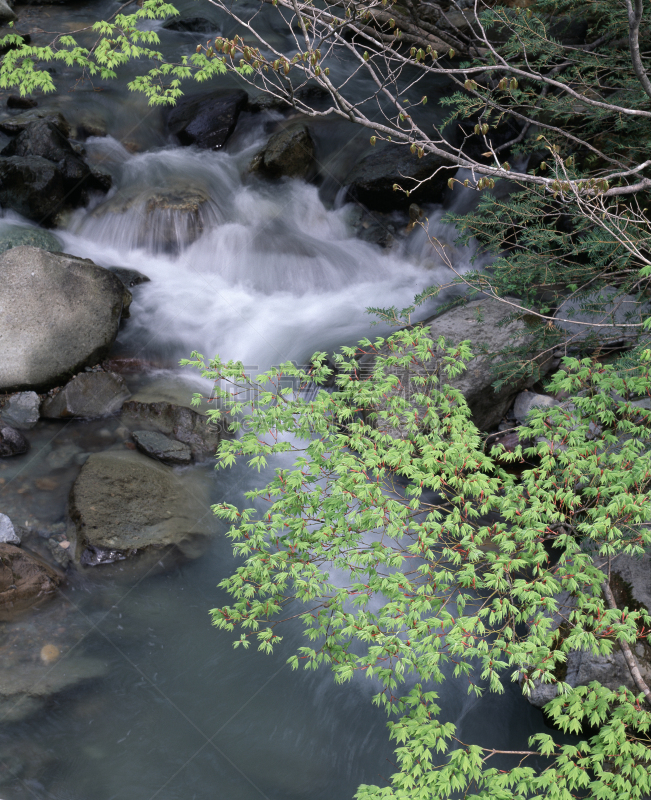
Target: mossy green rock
16	235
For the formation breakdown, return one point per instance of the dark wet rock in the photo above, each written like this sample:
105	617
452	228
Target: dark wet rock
88	395
480	321
12	442
24	38
162	448
16	101
40	138
8	533
92	556
207	120
21	411
191	25
312	95
24	580
16	124
184	424
527	401
60	315
289	153
17	235
123	500
129	277
68	178
90	124
371	181
33	187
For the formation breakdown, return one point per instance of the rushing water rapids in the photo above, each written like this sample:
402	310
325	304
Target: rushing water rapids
266	272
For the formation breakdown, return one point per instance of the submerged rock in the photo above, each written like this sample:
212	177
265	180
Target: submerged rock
24	580
371	181
18	235
58	314
8	533
207	120
25	689
16	101
12	442
191	25
289	153
123	500
129	277
21	411
162	448
168	217
87	396
184	424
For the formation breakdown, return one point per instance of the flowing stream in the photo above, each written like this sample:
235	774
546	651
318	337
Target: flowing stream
269	272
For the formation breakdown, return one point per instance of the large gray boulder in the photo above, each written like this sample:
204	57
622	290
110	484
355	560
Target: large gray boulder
88	395
58	314
6	13
477	321
289	153
207	120
371	182
617	317
124	501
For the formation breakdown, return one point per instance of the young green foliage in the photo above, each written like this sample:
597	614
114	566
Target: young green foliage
411	555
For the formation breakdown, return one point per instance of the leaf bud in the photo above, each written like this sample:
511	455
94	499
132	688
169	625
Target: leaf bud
428	49
451	53
373	140
503	84
413	148
392	23
317	70
424	100
513	84
412	52
198	48
365	56
421	152
451	183
484	129
396	187
286	68
506	166
477	129
327	70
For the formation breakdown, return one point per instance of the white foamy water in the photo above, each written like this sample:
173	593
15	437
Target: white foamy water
272	274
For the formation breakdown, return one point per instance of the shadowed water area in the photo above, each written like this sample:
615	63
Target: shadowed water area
119	687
